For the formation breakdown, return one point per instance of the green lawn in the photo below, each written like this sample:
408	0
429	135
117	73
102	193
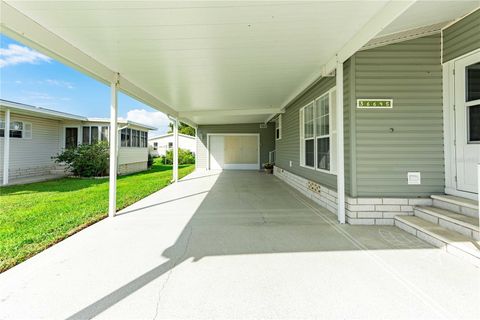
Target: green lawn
38	215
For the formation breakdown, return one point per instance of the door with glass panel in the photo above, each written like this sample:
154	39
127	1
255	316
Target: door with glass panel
467	121
71	137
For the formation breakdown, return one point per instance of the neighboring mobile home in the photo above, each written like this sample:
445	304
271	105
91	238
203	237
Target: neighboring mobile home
37	134
159	145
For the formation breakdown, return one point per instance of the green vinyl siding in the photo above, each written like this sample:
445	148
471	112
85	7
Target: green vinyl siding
462	37
267	139
410	73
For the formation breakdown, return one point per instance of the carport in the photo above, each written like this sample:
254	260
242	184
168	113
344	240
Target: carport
214	62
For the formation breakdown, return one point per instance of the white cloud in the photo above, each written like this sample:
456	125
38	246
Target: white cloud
58	83
155	119
16	54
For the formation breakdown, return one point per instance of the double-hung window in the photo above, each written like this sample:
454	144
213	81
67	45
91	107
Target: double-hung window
104	133
90	134
318	133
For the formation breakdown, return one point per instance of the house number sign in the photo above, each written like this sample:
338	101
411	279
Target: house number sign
374	103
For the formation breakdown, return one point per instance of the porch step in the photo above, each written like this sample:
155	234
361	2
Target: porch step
453	242
456	204
466	225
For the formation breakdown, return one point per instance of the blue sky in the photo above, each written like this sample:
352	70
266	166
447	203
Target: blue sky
29	77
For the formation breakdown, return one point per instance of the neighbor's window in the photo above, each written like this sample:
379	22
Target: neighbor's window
155	146
318	134
104	133
278	128
170	145
94	135
90	134
133	138
145	139
86	135
18	129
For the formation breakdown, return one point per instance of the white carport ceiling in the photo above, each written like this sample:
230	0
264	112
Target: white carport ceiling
207	56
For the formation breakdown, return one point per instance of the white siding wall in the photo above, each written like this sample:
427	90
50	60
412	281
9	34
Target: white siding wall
183	142
132	155
35	152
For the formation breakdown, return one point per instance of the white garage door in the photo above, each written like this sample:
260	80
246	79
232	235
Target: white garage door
234	151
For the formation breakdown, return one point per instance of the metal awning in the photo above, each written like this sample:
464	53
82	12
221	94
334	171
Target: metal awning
213	62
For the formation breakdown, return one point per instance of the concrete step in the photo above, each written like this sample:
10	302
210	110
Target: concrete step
466	225
456	204
451	241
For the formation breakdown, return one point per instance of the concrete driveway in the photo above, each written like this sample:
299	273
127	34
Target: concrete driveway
238	245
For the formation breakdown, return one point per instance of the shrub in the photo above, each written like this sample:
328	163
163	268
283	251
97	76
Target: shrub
184	157
86	160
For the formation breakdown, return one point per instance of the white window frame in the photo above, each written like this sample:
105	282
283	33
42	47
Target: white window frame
332	134
278	127
24	125
99	133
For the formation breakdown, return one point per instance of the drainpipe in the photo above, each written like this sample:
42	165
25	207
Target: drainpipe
6	147
112	188
340	151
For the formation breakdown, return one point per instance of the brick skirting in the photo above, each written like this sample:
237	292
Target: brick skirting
366	211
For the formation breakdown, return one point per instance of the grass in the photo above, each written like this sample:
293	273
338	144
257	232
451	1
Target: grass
35	216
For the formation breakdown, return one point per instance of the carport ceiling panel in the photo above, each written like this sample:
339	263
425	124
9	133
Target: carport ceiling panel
208	55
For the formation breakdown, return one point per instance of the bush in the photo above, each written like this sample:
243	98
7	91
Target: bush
184	157
86	160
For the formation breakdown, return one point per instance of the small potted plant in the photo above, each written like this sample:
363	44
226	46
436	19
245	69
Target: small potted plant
268	166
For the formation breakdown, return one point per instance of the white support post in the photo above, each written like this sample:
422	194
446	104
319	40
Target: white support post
6	147
112	188
175	150
340	151
478	190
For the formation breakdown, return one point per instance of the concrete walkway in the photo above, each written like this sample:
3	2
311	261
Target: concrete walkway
238	245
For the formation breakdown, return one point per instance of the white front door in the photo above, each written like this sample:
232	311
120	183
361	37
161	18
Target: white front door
467	121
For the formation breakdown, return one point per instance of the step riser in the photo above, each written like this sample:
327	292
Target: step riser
455	208
437	243
447	224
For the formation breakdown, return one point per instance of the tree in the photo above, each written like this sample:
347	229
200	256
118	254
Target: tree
182	128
